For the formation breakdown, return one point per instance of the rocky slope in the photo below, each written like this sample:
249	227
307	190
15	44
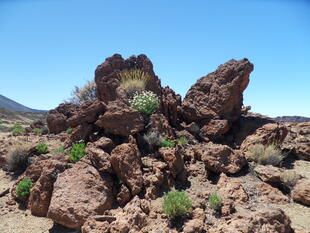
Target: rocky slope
118	186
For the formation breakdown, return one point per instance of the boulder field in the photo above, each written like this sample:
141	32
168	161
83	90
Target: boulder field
119	184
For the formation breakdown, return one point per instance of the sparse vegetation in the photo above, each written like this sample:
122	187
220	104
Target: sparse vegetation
37	131
176	203
59	150
134	81
23	188
182	140
81	94
265	155
42	148
77	152
167	143
18	158
289	178
154	139
69	130
215	201
146	102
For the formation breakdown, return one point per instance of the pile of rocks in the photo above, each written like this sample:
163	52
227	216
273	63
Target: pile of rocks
111	188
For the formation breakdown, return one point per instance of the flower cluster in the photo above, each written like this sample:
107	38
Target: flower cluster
146	102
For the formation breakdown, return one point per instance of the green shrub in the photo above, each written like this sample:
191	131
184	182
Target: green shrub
182	141
176	203
69	130
59	150
215	201
77	152
265	155
167	143
134	80
42	148
23	188
146	102
18	158
18	131
37	131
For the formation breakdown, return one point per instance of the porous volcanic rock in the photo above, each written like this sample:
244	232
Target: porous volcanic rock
231	188
271	195
170	104
218	95
81	132
298	140
267	134
88	112
120	119
107	76
263	220
159	123
174	160
126	162
196	224
220	158
268	173
301	192
214	129
79	192
56	118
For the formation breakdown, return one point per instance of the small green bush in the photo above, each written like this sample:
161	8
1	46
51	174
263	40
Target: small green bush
215	201
167	143
42	148
265	155
182	141
59	150
77	152
69	130
37	131
134	80
23	188
146	102
18	131
176	203
18	158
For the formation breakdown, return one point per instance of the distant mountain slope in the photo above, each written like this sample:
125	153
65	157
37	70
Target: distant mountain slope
14	106
292	119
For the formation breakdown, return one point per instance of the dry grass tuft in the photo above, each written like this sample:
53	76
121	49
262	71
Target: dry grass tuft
265	155
134	80
18	158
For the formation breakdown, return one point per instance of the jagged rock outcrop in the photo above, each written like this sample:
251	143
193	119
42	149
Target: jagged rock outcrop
80	192
170	104
220	158
266	135
126	162
107	76
218	95
301	192
174	160
120	119
298	140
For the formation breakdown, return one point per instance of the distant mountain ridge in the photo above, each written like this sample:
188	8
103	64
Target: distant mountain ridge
292	119
14	106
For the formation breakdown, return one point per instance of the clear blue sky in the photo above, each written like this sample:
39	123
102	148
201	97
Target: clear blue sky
49	46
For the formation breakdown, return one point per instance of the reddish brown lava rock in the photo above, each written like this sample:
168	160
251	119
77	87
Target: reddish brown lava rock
267	134
214	129
170	105
220	158
107	76
196	224
159	123
126	162
174	160
123	195
301	192
218	95
79	192
268	173
81	133
272	195
298	140
120	119
269	220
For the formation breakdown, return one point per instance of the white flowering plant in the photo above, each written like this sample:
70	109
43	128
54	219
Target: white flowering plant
146	102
